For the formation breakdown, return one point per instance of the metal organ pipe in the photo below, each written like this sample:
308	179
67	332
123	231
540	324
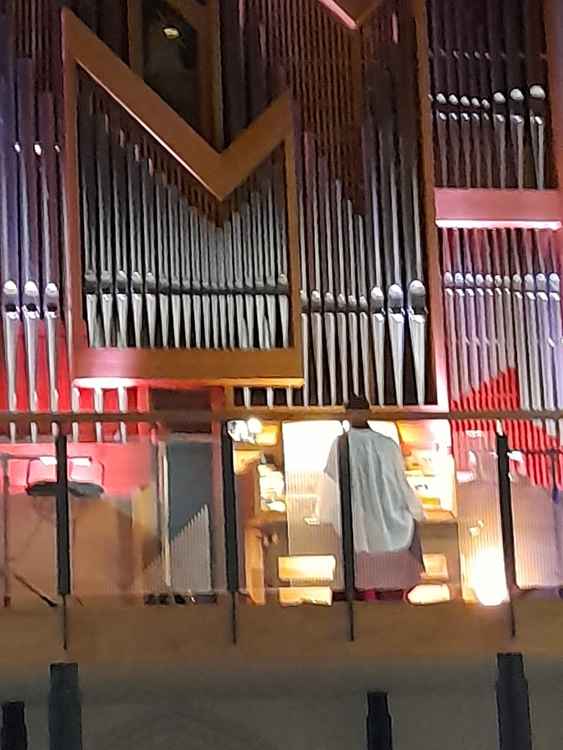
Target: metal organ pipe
490	95
506	283
30	203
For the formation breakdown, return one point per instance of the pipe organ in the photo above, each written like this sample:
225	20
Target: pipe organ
303	264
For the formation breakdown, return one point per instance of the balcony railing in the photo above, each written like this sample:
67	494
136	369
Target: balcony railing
162	509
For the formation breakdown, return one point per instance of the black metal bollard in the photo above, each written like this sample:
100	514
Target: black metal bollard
513	704
379	723
65	709
14	731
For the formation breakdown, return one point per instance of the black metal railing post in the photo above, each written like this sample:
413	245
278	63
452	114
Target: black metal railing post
347	529
507	523
231	535
64	582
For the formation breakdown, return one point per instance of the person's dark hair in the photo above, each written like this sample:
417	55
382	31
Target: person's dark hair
358	403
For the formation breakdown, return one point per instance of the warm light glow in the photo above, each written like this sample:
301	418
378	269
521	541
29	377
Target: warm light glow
425	432
243	458
84	461
303	568
296	595
171	32
488	578
254	426
272	483
238	430
269	435
277	506
435	566
109	383
48	460
429	593
307	444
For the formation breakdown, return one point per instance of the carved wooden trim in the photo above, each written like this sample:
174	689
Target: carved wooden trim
490	207
352	13
219	172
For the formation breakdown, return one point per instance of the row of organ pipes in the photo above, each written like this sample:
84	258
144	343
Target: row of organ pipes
502	300
490	94
165	267
30	205
160	271
364	303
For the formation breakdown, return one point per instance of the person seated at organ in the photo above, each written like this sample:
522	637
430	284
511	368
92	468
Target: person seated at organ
385	511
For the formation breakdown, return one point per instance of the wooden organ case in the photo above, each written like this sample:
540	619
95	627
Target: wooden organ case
370	207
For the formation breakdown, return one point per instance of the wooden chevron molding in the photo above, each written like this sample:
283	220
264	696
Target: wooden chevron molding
352	13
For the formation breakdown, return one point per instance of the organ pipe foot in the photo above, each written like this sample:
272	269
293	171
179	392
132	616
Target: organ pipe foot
330	331
396	319
31	321
417	329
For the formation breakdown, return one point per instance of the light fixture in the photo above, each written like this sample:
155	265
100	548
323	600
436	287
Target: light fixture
429	593
254	425
488	578
171	32
552	224
238	430
295	595
307	445
303	568
85	477
48	460
83	461
435	566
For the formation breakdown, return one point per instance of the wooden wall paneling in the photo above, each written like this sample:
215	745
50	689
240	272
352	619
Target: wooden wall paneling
491	207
